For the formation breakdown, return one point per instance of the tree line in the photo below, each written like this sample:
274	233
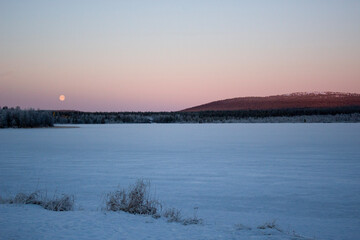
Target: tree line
30	118
77	117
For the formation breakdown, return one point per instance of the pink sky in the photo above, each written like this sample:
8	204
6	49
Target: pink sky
137	56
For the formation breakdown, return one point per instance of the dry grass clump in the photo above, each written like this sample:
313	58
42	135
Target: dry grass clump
194	219
268	225
62	203
190	221
22	198
242	227
174	215
135	200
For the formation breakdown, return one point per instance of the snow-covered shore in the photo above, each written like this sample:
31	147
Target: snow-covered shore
239	176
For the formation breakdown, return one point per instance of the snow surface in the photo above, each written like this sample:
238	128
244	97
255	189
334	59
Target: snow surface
337	94
304	176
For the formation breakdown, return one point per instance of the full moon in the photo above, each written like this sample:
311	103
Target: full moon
62	98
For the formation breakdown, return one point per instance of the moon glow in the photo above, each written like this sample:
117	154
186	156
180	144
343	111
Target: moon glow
62	98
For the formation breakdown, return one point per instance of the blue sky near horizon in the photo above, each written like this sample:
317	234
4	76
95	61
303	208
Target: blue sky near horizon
169	55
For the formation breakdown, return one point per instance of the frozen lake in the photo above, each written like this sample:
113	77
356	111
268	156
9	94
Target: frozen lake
304	176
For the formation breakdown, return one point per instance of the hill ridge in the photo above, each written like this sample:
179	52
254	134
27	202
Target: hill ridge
292	100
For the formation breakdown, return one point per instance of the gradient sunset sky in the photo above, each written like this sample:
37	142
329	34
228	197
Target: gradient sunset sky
170	55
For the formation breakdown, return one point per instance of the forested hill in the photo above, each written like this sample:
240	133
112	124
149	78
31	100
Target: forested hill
286	101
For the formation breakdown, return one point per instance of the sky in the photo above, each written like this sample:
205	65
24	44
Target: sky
170	55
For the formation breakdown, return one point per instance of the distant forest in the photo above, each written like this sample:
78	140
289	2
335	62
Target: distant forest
17	118
30	118
339	114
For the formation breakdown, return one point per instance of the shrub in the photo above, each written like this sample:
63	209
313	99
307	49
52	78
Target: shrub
242	227
194	219
135	200
173	215
270	225
190	221
63	203
22	198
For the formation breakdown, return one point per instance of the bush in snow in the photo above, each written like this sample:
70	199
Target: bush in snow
22	198
270	225
190	221
174	215
135	200
62	203
194	219
242	227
